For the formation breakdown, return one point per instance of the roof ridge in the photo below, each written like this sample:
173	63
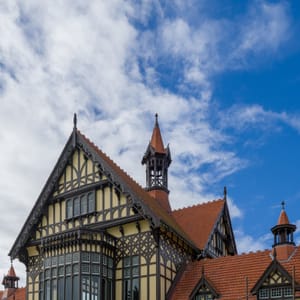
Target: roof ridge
198	204
109	158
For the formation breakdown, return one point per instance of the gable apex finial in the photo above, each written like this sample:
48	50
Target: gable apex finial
225	193
75	121
156	118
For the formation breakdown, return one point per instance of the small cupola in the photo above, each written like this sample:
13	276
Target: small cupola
283	235
10	282
157	159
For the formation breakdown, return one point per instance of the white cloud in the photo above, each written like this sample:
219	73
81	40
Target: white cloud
246	243
58	57
243	117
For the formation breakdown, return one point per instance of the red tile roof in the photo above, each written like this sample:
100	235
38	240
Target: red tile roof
158	210
11	272
19	294
283	218
229	274
156	139
198	221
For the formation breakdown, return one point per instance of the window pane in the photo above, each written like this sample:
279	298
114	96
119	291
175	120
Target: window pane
76	287
136	289
48	290
83	205
76	207
94	288
54	290
68	288
69	208
91	202
60	289
85	287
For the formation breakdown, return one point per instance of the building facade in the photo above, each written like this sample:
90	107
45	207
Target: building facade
94	233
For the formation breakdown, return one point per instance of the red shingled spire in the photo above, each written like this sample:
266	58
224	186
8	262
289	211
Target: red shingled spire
283	218
156	139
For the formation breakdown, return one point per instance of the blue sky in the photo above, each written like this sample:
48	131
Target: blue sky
223	77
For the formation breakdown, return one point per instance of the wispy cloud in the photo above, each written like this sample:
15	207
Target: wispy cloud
245	117
97	59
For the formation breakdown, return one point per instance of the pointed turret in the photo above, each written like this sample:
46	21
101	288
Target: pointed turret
283	236
10	282
157	160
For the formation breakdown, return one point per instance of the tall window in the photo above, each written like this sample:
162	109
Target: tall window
131	283
62	280
80	205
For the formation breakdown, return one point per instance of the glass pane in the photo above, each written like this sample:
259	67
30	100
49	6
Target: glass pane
127	261
94	288
85	268
54	290
76	287
69	258
76	207
48	290
86	256
60	289
68	288
95	269
69	208
136	289
95	257
76	257
85	287
68	270
135	260
83	205
91	202
54	261
75	268
61	260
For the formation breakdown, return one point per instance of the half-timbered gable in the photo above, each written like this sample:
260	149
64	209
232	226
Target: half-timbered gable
209	227
274	283
94	232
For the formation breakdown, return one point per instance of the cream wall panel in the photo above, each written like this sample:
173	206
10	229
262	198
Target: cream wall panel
107	198
32	251
162	288
115	201
152	288
57	212
144	289
118	290
143	270
152	269
50	214
99	200
68	173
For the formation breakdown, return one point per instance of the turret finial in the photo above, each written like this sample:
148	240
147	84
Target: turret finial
75	121
282	205
225	193
156	119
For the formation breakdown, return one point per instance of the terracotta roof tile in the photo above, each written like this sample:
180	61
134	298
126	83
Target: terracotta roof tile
20	294
198	221
283	218
156	139
141	194
11	272
229	274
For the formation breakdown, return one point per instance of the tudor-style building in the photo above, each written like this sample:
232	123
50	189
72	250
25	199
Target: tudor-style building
95	234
